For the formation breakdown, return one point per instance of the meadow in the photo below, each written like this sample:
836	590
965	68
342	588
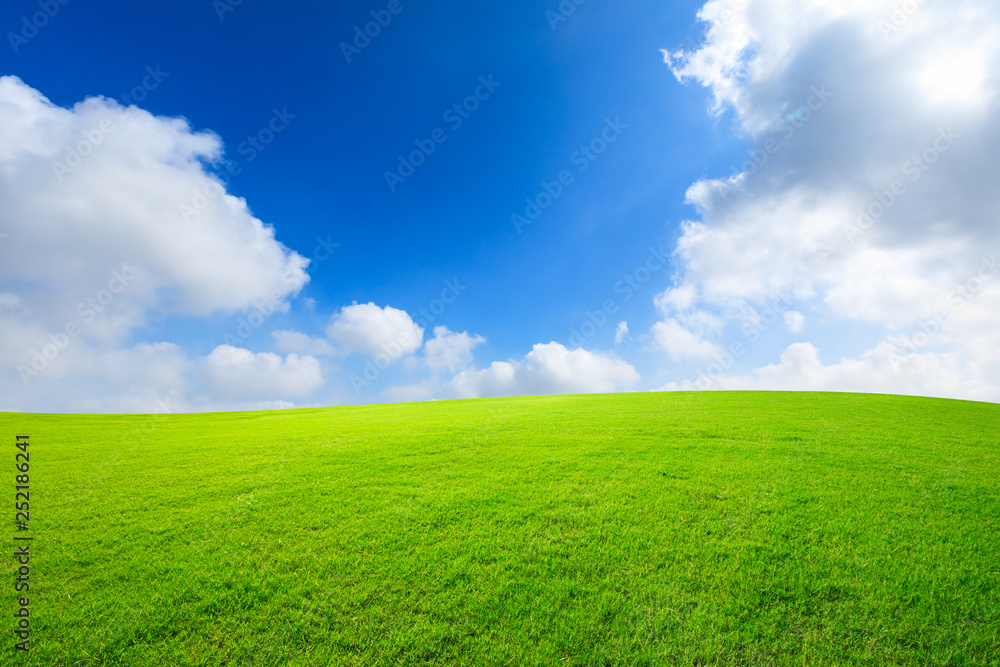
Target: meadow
628	529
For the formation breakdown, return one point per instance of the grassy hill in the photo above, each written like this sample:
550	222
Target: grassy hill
628	529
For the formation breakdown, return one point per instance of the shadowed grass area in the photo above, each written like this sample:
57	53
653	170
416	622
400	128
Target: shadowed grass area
627	529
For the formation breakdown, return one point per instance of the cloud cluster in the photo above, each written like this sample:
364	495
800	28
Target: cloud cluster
382	336
295	341
885	369
867	192
95	243
450	351
548	369
866	203
234	374
92	188
374	331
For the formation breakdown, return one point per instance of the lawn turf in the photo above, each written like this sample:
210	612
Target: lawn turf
746	528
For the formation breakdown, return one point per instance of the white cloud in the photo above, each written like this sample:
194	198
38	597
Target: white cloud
301	343
885	369
95	244
234	374
373	331
621	333
547	369
795	321
410	393
681	343
449	351
868	190
677	299
70	375
92	188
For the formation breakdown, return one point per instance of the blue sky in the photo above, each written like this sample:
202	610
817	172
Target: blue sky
554	87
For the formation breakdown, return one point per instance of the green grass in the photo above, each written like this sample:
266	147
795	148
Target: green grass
630	529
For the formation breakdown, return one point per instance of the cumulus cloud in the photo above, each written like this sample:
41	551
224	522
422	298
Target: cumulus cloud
795	321
887	368
867	190
92	188
410	393
376	332
69	375
621	333
450	351
547	369
111	217
680	343
234	374
301	343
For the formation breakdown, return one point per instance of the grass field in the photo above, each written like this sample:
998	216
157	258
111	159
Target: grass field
628	529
